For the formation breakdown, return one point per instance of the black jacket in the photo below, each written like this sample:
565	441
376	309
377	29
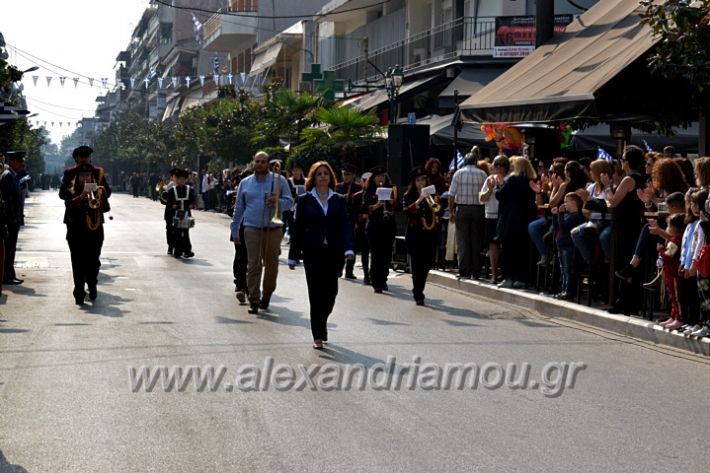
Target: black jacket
311	228
10	191
76	207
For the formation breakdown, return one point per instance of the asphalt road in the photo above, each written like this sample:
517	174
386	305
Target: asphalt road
68	404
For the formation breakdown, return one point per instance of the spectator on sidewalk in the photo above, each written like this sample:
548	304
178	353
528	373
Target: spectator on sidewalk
501	167
10	191
467	211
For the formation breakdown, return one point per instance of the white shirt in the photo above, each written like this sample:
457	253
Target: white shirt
491	204
314	193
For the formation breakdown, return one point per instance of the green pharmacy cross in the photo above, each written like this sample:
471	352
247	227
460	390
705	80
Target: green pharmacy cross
323	82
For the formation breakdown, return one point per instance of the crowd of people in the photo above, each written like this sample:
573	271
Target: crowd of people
643	218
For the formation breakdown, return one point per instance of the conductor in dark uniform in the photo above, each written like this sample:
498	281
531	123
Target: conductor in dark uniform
349	188
85	193
322	236
11	198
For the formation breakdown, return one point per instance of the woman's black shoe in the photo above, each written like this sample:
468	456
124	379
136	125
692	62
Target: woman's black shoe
253	309
93	293
378	291
420	301
626	274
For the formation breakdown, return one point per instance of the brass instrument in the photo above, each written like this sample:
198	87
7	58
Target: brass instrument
434	203
92	201
276	174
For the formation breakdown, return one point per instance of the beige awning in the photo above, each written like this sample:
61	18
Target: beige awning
266	58
561	79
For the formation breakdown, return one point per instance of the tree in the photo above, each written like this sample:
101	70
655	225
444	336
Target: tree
342	130
682	51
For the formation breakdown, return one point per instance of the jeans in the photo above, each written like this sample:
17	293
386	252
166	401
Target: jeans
569	271
537	229
605	241
585	237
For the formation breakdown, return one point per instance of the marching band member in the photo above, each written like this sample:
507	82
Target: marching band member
261	200
422	213
380	228
321	235
168	213
85	193
361	242
181	200
349	188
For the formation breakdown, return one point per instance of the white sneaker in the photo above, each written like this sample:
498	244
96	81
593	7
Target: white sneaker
703	332
691	329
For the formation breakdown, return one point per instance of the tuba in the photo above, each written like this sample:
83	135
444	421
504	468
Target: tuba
276	174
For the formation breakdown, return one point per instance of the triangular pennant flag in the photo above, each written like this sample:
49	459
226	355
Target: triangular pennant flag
61	80
230	76
34	79
52	123
602	154
104	82
60	124
202	80
173	80
243	75
76	81
187	80
215	78
49	80
160	82
146	81
91	81
133	83
45	123
123	85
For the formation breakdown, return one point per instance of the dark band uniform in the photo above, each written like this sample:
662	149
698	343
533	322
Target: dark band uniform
421	239
85	231
381	230
180	199
349	191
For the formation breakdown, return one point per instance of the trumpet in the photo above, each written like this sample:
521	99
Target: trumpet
276	174
92	201
433	203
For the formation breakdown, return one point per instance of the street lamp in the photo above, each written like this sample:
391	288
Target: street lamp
393	81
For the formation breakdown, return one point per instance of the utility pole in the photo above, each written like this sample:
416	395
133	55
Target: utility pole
544	21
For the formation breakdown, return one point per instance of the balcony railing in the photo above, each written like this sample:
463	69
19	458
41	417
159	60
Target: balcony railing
462	37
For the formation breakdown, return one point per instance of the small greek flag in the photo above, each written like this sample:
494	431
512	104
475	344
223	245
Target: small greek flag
647	146
197	28
457	162
602	154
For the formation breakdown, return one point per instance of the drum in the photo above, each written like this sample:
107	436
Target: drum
183	220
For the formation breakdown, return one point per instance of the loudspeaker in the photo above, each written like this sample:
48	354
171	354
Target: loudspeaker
407	147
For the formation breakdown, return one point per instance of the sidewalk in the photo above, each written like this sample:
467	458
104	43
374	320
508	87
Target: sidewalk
623	325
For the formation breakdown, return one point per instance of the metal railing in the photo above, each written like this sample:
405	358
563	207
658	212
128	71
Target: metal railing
462	37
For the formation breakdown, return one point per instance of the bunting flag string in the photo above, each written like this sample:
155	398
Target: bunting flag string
240	80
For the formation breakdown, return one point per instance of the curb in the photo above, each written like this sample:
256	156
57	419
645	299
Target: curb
620	324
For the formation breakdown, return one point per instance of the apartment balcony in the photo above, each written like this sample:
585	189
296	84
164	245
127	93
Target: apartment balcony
229	33
450	41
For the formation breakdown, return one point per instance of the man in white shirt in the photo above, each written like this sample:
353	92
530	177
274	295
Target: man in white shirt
467	212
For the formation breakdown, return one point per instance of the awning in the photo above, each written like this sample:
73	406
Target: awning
379	97
441	132
560	79
266	59
469	81
684	140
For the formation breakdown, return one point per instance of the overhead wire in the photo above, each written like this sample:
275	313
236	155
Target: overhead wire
269	17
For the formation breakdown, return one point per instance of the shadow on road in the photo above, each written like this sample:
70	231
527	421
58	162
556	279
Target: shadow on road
22	290
13	330
226	320
438	306
107	305
7	467
385	322
340	354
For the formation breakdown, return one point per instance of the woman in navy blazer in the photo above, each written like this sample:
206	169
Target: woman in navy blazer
322	237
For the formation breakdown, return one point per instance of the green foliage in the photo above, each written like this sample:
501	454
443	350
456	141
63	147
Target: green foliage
682	51
342	130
